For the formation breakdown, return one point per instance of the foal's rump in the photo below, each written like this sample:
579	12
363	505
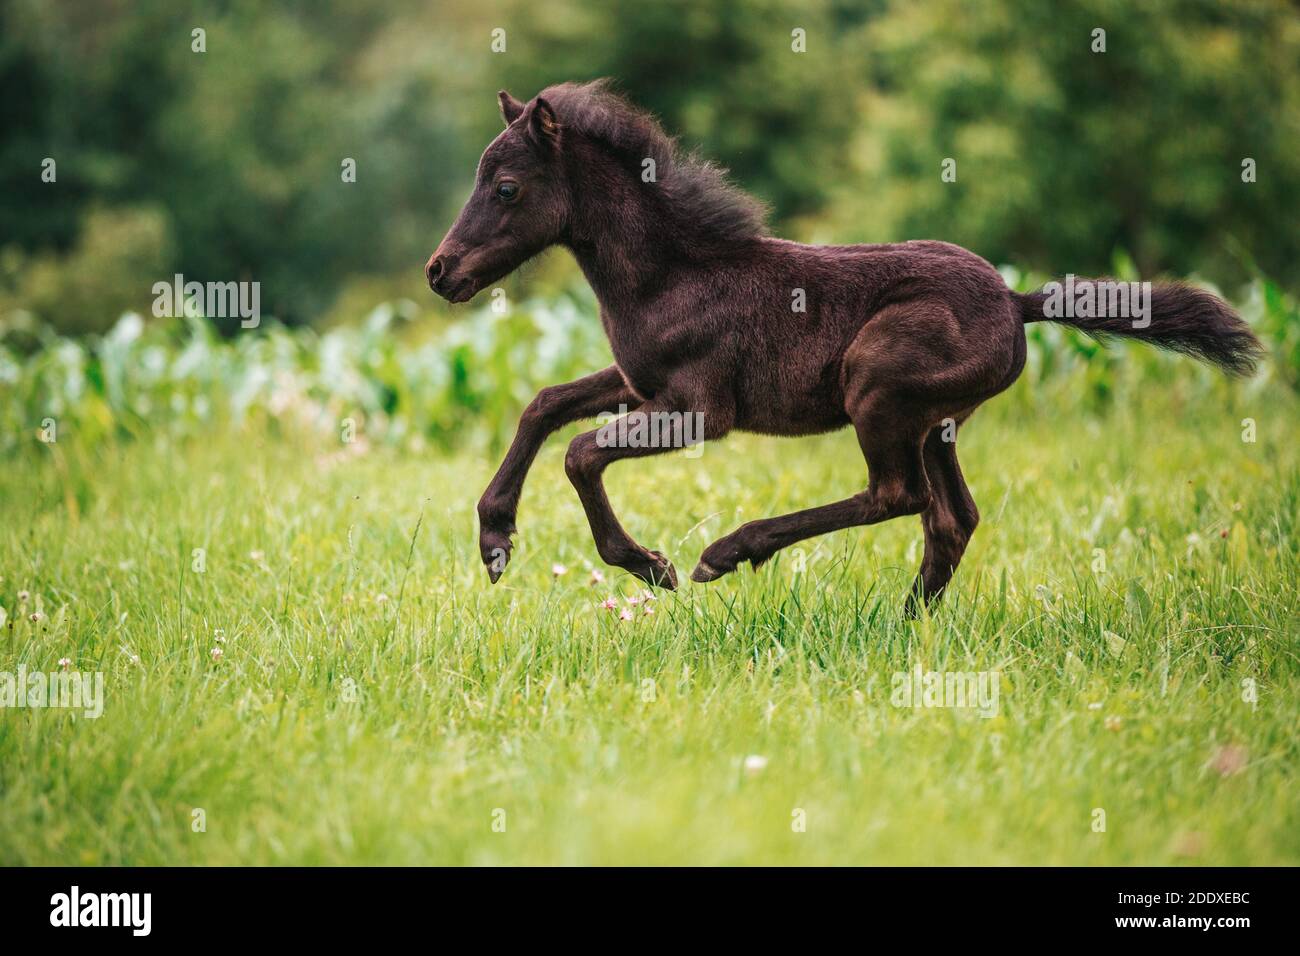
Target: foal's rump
936	358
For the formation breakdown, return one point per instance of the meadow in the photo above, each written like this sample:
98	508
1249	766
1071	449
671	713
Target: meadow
268	548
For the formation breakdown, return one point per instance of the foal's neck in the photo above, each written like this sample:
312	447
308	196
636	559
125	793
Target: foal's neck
620	260
630	243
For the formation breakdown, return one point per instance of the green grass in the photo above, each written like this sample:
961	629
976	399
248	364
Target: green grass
1120	690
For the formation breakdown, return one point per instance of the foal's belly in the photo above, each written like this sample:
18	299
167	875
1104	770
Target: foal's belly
774	408
814	422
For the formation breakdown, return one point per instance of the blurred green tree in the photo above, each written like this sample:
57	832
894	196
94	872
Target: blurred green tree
242	144
227	164
1065	155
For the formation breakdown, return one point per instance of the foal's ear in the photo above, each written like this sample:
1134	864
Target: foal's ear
542	124
511	108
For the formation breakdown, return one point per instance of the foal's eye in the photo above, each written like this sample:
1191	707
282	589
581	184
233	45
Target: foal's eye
507	192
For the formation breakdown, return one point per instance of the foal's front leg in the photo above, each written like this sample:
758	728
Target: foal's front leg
554	407
592	452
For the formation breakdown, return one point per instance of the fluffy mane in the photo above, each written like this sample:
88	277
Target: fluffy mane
698	189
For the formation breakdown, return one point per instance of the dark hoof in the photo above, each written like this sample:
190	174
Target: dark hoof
721	557
656	571
919	602
494	548
705	572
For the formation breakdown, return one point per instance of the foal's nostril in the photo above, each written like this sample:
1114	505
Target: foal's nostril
433	272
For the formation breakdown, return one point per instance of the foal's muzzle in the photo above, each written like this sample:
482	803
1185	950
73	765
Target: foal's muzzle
440	271
436	271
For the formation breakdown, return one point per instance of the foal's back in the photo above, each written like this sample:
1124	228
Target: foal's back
784	314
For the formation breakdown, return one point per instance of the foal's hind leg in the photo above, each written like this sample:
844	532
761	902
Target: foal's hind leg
949	521
891	436
910	367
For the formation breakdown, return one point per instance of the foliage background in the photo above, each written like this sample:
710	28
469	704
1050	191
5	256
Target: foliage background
226	164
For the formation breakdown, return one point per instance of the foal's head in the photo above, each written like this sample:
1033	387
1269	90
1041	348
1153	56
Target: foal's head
519	206
572	162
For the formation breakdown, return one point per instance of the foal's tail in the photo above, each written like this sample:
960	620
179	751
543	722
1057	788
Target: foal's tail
1176	317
